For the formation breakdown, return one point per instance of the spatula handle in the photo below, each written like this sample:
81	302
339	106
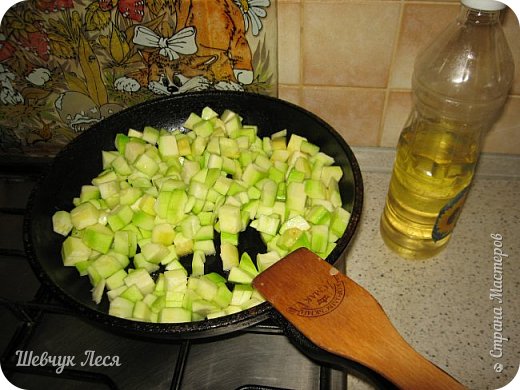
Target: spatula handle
341	317
375	343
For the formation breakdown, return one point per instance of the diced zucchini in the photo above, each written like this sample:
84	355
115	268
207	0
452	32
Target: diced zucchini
163	234
176	206
116	280
205	246
134	148
82	267
183	244
142	280
230	219
266	224
323	159
296	196
223	296
154	252
315	189
252	174
128	196
295	222
121	307
289	238
318	215
97	291
143	220
197	263
167	144
112	294
62	223
106	265
125	242
309	148
320	238
132	293
98	237
241	294
192	120
247	264
295	142
333	194
339	221
229	255
84	215
146	164
119	217
74	250
203	128
176	279
269	190
174	315
331	172
203	307
107	157
163	194
265	260
142	311
150	135
239	276
89	192
206	289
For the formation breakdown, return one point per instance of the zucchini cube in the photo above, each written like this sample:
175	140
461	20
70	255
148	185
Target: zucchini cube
74	250
121	307
86	214
62	223
98	237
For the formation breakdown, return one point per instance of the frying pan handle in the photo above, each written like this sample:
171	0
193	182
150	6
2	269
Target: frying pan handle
316	353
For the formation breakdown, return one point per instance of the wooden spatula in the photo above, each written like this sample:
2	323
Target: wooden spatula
343	318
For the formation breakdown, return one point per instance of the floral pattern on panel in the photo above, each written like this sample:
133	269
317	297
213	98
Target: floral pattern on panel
66	64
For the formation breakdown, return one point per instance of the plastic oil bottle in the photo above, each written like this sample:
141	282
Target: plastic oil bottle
459	86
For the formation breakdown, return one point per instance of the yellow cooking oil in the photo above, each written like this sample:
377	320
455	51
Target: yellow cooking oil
433	170
460	84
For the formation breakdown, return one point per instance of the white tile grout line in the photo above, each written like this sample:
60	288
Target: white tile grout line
491	165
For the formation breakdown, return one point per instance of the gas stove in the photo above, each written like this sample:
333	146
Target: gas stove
46	345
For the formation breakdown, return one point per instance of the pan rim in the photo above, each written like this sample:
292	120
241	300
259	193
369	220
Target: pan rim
196	329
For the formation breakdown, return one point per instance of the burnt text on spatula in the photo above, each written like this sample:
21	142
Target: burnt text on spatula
323	300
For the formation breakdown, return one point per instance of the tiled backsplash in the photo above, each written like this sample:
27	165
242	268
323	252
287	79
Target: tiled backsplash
351	63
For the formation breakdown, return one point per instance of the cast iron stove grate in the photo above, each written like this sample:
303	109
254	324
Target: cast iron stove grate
35	324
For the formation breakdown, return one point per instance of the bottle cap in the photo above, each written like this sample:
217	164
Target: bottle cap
484	5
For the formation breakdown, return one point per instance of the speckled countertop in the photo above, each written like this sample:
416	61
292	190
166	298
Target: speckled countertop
442	306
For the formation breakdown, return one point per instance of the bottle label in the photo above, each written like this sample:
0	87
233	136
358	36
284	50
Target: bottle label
449	215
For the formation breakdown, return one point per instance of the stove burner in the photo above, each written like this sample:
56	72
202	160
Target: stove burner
37	328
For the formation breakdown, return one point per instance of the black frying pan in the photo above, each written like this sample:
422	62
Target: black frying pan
80	161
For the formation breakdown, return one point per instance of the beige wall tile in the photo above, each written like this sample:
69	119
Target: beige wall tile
503	138
371	45
398	107
420	22
348	43
290	94
354	112
289	47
